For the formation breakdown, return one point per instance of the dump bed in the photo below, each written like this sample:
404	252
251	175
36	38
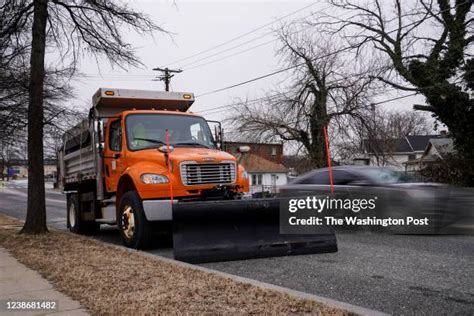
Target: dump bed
78	157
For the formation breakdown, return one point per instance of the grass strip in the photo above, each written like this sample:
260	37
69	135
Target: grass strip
107	280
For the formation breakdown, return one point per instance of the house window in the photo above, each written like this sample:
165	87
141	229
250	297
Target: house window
273	152
256	179
411	157
274	179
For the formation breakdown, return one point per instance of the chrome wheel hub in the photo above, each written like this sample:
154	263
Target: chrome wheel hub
128	222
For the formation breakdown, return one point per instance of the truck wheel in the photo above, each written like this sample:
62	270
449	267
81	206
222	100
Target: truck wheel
74	221
133	225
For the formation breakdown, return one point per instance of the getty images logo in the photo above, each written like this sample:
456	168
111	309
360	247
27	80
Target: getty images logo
320	204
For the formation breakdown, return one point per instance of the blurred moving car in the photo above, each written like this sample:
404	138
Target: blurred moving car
398	195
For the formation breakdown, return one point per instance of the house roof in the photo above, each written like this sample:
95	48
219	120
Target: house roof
442	146
402	146
254	163
419	142
407	144
436	149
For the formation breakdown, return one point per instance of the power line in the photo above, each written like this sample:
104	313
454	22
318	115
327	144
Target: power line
100	76
243	35
222	107
120	80
267	75
231	55
239	45
250	102
297	65
396	98
236	53
278	94
226	50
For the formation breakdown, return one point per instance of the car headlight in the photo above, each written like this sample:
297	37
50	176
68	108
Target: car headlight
150	178
245	175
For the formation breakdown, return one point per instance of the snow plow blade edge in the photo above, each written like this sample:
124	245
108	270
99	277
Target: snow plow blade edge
239	229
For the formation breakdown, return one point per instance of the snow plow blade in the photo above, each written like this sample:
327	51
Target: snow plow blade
239	229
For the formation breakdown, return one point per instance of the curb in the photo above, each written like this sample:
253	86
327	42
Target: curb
358	310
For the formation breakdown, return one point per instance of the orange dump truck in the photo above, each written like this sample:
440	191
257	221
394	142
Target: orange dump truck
143	162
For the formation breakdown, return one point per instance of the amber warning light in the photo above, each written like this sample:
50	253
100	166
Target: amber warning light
109	92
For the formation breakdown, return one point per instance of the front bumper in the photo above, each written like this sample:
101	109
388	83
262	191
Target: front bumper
158	210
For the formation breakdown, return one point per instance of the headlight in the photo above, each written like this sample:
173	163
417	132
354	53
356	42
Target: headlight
245	175
150	178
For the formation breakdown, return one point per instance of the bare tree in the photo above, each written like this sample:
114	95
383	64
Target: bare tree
10	149
72	28
427	45
381	136
326	89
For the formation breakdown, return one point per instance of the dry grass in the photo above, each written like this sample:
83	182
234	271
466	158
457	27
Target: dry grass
107	280
8	221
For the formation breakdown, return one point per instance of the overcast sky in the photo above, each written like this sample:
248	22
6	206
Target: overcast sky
198	26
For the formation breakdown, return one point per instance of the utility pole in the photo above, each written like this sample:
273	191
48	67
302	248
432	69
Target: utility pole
167	75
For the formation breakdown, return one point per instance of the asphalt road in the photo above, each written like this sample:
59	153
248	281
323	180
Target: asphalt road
422	275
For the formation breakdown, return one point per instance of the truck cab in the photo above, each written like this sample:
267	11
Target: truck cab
168	153
138	154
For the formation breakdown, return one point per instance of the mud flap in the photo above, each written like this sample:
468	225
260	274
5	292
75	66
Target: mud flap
239	229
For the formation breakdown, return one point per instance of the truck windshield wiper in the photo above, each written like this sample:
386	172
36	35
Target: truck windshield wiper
191	144
156	141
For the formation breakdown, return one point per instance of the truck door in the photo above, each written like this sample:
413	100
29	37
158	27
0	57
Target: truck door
112	155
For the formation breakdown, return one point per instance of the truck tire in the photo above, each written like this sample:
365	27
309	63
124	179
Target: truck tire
134	228
74	221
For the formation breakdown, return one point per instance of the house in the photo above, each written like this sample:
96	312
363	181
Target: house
18	169
269	151
437	150
297	165
262	163
395	153
264	175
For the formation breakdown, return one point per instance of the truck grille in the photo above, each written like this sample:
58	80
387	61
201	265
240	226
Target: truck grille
195	174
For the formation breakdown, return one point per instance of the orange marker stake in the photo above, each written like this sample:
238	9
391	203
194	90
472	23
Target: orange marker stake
168	162
328	154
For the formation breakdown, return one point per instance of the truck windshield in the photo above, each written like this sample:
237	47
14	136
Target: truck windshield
149	131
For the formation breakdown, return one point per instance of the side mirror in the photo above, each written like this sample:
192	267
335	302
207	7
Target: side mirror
244	149
219	132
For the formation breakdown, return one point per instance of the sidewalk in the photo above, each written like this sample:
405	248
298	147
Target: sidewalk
18	283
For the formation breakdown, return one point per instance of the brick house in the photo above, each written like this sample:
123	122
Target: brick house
263	164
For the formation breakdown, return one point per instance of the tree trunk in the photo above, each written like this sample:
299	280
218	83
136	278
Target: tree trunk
317	152
36	212
319	120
